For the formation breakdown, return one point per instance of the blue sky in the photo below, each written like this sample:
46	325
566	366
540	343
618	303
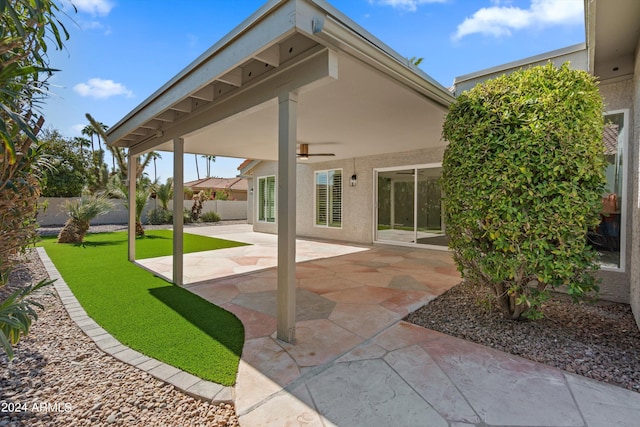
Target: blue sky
121	51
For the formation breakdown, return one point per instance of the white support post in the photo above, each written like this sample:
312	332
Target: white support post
131	176
178	208
287	136
392	205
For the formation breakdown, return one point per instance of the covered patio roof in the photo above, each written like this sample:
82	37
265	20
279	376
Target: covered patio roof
356	95
296	71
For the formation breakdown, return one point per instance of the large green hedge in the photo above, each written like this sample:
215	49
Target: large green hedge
523	177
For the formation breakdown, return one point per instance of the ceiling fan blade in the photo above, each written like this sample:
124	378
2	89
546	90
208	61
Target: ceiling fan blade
304	152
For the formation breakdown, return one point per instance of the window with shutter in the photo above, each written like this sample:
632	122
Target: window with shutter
328	195
267	199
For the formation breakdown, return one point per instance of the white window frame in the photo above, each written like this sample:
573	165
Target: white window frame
374	228
624	150
275	200
315	199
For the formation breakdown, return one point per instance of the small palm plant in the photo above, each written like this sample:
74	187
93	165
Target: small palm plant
142	196
81	212
16	315
164	193
118	190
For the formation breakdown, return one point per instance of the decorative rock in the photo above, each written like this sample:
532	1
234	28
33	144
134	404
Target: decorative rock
599	341
97	386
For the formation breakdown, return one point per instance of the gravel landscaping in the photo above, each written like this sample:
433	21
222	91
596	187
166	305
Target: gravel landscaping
60	378
599	341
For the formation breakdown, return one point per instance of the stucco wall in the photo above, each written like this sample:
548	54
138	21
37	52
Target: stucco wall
250	207
55	214
618	96
357	202
227	209
635	208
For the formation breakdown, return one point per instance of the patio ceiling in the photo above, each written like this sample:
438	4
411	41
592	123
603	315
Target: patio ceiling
613	30
356	96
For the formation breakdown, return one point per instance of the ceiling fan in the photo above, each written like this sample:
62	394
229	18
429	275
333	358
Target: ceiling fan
304	154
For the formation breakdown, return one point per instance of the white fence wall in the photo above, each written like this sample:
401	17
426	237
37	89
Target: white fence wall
227	209
54	213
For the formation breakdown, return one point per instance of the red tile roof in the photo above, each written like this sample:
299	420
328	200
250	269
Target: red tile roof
218	183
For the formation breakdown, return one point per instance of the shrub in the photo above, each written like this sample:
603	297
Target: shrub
210	217
158	216
196	209
523	177
187	216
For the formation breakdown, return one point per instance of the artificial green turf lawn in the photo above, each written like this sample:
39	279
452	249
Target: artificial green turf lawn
146	313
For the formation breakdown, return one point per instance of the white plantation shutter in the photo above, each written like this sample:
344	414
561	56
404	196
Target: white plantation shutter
335	200
321	198
329	198
267	199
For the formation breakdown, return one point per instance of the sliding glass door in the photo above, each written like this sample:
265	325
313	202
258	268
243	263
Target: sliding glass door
409	206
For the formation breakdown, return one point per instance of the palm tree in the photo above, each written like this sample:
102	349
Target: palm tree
119	154
155	155
117	189
142	196
164	193
209	159
89	131
197	169
81	212
82	143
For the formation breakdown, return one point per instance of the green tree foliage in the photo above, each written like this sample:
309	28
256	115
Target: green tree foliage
66	174
209	160
523	177
118	190
28	29
164	193
119	153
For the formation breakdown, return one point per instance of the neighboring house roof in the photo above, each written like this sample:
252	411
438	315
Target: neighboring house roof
244	164
576	54
610	138
237	184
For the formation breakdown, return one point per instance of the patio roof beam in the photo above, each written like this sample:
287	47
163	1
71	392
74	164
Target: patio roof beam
205	94
233	77
317	68
272	22
184	106
270	56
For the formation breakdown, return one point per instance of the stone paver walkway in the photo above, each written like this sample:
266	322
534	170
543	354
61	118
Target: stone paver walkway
356	363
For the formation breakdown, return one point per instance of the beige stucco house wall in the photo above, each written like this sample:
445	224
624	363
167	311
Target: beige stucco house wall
358	202
635	206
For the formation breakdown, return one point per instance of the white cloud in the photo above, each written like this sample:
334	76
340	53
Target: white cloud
408	5
94	7
76	130
102	89
94	25
90	25
502	20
